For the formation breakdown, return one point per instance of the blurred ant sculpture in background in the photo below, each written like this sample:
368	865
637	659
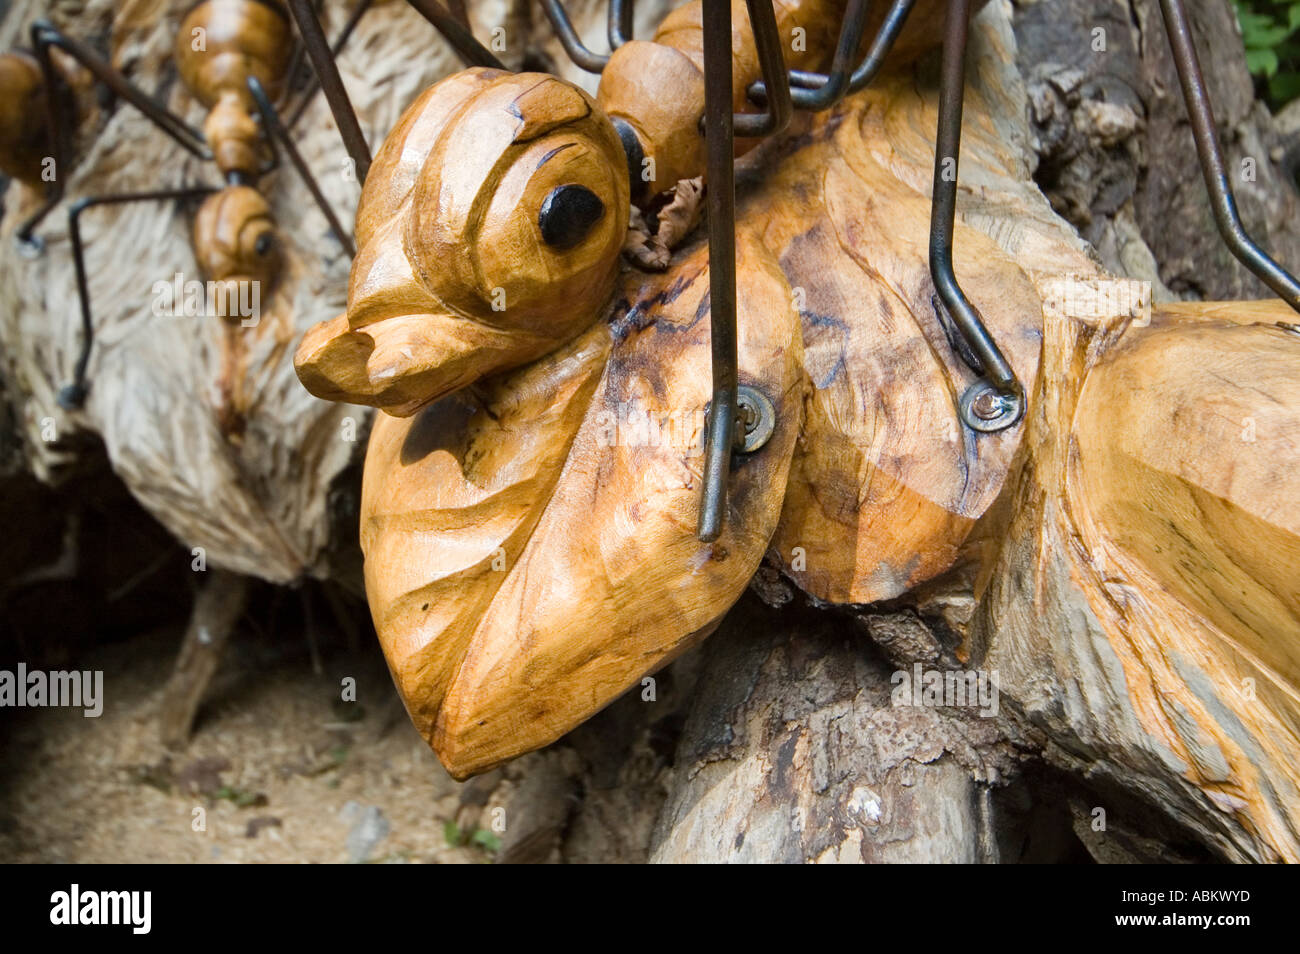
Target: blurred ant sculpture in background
238	59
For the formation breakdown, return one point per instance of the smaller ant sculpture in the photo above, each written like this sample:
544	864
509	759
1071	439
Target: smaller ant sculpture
238	58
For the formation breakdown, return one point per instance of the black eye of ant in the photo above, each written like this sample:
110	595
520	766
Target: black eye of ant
265	242
568	214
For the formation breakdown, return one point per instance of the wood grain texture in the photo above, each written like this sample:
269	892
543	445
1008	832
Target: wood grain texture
768	773
1142	606
886	486
888	482
504	626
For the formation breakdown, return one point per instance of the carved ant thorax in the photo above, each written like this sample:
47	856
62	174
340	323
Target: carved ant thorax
219	46
488	234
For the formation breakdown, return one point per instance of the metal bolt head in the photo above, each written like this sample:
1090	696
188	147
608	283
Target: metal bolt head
755	419
986	405
986	409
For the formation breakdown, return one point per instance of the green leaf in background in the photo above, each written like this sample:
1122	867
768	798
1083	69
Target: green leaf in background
1270	32
1261	62
1284	87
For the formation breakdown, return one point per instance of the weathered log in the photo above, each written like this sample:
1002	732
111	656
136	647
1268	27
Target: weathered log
1141	607
769	772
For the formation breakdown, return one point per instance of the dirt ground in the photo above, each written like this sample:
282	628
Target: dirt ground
280	768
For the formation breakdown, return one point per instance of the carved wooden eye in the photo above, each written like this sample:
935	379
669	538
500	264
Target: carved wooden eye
568	214
525	237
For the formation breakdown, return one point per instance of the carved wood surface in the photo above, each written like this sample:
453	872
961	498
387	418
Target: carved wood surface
886	486
1142	607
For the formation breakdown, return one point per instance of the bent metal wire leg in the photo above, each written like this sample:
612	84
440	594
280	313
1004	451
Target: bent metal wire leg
739	418
322	56
574	48
995	402
807	84
58	119
1207	149
73	396
275	129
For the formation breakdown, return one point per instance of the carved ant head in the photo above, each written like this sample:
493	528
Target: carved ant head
235	240
488	234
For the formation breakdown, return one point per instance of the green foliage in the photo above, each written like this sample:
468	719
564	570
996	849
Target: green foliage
478	837
1271	31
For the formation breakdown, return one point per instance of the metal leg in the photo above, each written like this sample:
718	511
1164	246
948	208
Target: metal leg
471	51
460	11
327	74
275	129
720	428
767	41
73	396
837	83
582	57
997	402
45	35
740	418
620	22
1207	149
806	80
339	43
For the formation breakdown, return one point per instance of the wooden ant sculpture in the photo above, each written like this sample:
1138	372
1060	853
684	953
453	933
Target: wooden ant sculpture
235	57
534	535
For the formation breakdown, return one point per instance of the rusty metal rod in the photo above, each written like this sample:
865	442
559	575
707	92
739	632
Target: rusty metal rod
576	50
720	427
275	129
989	359
767	42
1222	202
470	50
73	395
336	49
884	40
331	84
620	22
